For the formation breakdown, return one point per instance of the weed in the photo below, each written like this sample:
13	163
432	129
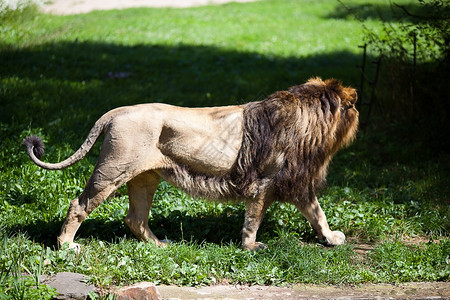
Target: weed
15	260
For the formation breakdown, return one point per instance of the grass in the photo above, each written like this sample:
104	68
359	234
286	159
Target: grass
54	82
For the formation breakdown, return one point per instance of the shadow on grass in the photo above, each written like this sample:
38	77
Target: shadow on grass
388	12
64	87
177	226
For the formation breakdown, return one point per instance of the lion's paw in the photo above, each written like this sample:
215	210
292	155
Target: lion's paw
255	246
336	238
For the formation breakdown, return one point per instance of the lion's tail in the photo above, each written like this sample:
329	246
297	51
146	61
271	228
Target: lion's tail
35	148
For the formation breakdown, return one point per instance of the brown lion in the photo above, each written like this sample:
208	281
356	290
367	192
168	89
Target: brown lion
275	149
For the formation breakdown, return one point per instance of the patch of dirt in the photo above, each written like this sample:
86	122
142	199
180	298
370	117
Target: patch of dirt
362	249
68	7
420	290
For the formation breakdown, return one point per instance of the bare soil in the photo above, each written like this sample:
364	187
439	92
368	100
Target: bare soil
68	7
412	290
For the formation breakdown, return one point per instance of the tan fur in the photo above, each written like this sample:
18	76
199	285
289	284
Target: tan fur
260	152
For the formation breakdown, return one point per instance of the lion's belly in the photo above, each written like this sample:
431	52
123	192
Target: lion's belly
205	140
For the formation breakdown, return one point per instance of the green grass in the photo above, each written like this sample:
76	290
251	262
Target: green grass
285	262
54	82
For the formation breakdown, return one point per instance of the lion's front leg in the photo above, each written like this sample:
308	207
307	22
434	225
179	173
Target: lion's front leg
315	215
255	210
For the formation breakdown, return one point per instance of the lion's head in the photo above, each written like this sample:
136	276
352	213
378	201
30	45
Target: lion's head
337	104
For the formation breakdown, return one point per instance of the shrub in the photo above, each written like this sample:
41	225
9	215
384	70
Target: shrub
413	43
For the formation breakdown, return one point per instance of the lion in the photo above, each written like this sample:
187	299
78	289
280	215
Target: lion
277	149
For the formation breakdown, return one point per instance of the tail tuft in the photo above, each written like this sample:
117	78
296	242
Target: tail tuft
35	144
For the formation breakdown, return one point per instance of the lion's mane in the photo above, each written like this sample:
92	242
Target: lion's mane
288	141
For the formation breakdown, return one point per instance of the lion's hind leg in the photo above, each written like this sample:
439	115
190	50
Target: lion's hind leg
141	190
95	192
315	215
